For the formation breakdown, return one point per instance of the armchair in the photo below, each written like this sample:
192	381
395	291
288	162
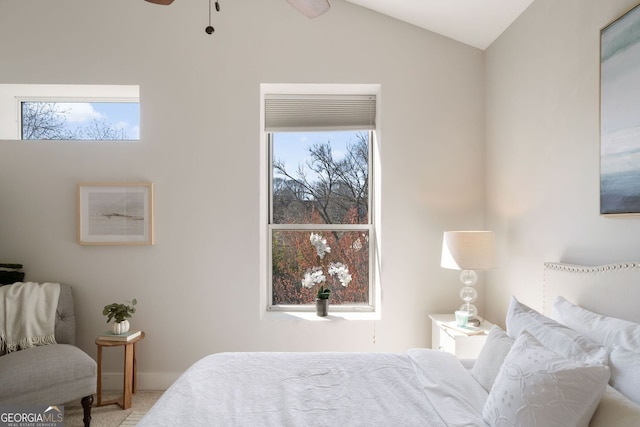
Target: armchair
51	374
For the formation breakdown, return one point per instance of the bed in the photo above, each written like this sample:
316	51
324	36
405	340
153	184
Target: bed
539	372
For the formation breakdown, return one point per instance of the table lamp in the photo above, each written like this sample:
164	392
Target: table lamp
468	251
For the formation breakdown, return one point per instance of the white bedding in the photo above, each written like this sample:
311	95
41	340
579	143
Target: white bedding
431	388
419	388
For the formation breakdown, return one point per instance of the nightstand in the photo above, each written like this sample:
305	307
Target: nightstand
461	345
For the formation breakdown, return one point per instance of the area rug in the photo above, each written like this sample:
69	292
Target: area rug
133	419
112	415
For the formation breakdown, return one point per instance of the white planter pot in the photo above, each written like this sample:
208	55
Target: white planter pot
121	328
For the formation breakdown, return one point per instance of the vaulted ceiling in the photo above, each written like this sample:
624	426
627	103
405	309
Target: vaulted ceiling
474	22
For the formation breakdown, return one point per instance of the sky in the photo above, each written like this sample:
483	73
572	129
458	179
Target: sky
123	115
292	147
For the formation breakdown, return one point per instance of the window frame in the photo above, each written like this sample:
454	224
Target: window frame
72	100
369	227
13	95
266	220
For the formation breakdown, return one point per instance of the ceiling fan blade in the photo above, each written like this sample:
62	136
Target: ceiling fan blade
162	2
310	8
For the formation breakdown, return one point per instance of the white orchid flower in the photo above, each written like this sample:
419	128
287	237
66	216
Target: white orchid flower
342	271
313	276
320	244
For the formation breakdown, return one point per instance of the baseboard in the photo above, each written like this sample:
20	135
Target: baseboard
146	380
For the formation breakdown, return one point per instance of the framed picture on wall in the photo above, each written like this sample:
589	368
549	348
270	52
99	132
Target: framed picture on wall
620	115
115	213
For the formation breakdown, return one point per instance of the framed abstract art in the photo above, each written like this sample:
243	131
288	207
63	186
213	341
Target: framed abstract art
620	115
115	213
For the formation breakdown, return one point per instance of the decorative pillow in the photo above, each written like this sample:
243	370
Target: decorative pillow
615	410
537	387
495	349
625	372
556	337
608	331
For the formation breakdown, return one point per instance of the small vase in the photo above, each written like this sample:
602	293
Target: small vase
121	327
322	307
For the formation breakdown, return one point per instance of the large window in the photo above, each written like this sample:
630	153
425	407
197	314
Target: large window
320	216
320	222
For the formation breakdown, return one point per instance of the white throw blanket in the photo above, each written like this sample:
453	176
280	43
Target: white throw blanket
27	315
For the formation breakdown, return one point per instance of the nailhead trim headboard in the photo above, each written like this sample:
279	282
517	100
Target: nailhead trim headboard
611	289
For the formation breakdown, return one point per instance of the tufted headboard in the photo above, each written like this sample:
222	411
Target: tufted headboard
612	289
65	317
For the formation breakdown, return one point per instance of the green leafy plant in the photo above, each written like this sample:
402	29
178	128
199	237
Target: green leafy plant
323	292
119	312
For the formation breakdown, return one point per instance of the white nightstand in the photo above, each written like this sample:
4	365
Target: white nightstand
461	345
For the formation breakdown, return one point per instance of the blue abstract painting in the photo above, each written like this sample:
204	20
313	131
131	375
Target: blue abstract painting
620	115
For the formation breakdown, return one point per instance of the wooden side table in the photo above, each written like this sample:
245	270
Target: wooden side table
130	370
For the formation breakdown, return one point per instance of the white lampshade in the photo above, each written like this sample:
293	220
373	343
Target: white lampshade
311	8
468	250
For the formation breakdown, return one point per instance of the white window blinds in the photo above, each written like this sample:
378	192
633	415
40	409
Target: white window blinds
318	112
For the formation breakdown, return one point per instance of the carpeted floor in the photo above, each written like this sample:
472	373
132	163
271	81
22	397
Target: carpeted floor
112	415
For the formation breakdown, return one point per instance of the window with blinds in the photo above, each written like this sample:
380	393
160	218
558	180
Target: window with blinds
320	223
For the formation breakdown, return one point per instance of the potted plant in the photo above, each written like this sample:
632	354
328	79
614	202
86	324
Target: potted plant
120	313
316	275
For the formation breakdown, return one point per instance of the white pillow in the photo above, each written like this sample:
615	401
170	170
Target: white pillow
625	372
537	387
495	349
608	331
615	410
556	337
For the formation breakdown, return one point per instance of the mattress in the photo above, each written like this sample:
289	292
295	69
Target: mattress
421	387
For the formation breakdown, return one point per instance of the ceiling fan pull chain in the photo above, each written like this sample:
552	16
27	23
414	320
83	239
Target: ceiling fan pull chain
210	29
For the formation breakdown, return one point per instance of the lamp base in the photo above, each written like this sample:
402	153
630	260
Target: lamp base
469	308
468	293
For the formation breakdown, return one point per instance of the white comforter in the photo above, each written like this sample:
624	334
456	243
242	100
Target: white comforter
419	388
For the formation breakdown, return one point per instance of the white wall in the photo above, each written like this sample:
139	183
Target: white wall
198	286
542	91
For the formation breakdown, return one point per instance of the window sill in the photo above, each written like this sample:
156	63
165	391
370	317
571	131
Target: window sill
311	316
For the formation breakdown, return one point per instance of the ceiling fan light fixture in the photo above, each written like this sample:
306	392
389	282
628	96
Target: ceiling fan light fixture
310	8
162	2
